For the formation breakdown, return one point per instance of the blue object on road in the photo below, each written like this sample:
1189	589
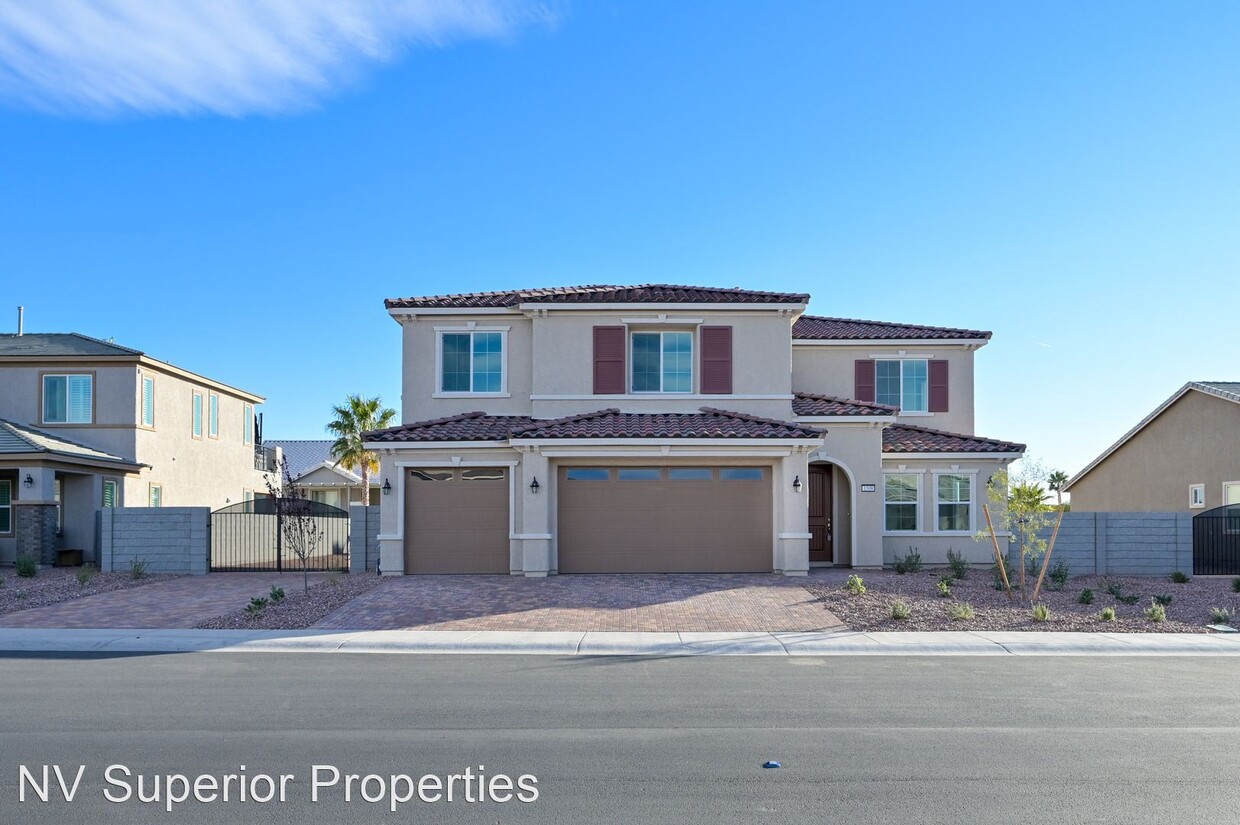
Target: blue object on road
771	764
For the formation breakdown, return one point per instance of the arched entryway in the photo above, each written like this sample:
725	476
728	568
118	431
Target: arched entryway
831	505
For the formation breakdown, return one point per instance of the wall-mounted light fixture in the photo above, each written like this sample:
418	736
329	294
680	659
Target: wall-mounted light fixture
387	487
796	484
534	486
28	481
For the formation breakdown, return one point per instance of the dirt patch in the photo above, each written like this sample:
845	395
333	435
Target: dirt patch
59	584
299	609
1188	611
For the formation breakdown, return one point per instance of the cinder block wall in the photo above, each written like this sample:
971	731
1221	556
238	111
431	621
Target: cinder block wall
363	538
1125	544
168	539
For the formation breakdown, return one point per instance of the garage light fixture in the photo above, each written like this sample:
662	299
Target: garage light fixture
28	481
796	484
534	486
387	487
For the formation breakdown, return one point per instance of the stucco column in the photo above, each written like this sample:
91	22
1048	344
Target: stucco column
792	515
391	514
534	522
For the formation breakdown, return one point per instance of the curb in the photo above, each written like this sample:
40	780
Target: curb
563	643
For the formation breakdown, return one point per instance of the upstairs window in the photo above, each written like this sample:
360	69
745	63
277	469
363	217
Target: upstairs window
148	401
247	424
662	362
213	415
472	362
904	383
68	399
196	416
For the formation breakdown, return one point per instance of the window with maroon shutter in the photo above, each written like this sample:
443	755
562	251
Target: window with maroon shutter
609	348
716	360
938	386
863	389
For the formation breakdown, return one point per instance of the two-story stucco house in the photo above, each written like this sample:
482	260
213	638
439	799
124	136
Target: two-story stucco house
86	423
667	428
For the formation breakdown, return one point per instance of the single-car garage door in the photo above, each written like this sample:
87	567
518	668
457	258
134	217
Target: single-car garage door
664	519
456	520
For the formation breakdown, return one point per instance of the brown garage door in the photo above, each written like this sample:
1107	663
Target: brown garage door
664	519
456	520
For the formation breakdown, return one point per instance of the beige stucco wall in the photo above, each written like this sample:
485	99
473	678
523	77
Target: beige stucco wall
114	389
856	451
1194	441
830	370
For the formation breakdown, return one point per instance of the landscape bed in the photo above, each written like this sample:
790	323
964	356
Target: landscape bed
53	585
1188	611
297	609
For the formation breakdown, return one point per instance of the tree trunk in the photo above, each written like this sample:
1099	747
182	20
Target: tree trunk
365	484
305	574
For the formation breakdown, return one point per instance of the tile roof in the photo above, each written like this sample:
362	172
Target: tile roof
470	426
306	455
58	344
904	438
818	328
806	403
600	293
20	439
708	423
1229	390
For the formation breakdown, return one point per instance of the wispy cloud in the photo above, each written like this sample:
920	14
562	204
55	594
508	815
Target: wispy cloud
227	57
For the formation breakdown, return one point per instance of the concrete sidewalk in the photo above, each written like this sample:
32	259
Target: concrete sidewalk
838	643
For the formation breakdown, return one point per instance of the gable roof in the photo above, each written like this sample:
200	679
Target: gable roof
304	456
819	328
708	423
43	344
1226	390
599	294
905	438
809	404
20	439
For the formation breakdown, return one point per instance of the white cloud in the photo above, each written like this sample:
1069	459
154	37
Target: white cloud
228	57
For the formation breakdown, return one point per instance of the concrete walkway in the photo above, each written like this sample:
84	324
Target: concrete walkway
561	643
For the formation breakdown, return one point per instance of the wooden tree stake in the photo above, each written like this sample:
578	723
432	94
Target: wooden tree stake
998	556
1046	560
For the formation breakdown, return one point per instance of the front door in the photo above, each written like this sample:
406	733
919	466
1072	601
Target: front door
822	541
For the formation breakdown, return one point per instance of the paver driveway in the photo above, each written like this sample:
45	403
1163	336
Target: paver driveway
177	603
688	602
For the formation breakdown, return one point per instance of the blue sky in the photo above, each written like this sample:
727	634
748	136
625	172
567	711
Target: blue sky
237	192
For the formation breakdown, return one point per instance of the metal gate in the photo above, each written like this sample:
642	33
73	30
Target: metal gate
1216	541
263	534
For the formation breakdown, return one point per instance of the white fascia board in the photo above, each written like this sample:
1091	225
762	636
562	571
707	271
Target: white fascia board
952	456
408	312
651	307
397	446
944	343
666	396
586	443
839	420
657	453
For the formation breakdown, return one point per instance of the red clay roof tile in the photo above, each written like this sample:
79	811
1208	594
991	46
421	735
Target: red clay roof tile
818	328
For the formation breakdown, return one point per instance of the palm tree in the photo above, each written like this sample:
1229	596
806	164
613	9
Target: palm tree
1056	482
355	416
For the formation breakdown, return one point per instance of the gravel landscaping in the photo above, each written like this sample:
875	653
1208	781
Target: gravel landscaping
298	609
1187	612
59	584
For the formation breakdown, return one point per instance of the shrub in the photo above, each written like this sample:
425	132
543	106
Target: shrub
1164	599
900	611
958	564
1128	598
1156	612
137	569
27	567
944	586
276	595
1107	614
960	611
1179	577
333	577
1235	585
1041	612
1220	615
1086	597
1058	575
910	563
1115	589
854	585
84	575
257	605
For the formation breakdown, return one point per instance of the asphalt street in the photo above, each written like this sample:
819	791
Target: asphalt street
613	739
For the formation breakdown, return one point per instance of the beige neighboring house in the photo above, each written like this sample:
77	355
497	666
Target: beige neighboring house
86	423
1184	456
312	467
660	428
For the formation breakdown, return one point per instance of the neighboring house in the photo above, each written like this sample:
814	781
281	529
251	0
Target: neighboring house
86	423
1183	456
665	428
312	467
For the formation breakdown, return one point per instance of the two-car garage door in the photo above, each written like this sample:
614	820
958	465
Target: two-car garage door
664	520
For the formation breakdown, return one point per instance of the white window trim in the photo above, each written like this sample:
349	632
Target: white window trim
1226	484
904	359
247	428
919	503
143	377
1196	488
43	397
693	371
471	327
972	502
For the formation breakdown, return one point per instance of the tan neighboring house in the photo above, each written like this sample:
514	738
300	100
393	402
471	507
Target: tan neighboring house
660	428
86	424
312	468
1184	456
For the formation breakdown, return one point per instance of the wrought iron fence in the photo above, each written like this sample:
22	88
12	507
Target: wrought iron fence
254	536
1216	541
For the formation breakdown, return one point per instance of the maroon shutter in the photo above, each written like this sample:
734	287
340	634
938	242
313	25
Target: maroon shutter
609	360
716	360
938	386
863	389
